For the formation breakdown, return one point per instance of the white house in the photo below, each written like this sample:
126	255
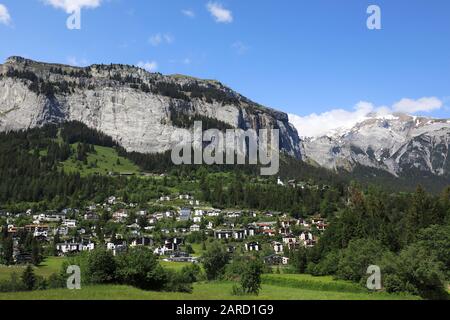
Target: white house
252	246
277	247
69	223
194	228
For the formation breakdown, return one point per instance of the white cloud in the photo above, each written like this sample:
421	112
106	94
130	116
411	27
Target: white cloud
188	13
316	125
157	39
73	61
413	106
220	14
5	18
71	5
150	66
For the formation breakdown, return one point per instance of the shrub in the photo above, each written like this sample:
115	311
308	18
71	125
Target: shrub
29	278
192	272
178	282
101	266
357	257
140	268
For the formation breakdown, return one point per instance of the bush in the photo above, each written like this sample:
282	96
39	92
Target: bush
13	285
178	282
416	270
140	268
357	257
327	266
101	266
237	290
192	273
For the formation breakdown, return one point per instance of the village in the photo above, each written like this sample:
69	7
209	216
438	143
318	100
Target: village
169	234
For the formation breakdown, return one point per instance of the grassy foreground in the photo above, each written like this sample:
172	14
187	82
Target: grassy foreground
202	291
45	269
275	287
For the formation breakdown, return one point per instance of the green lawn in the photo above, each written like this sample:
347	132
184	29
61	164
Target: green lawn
106	159
46	268
174	265
306	281
202	291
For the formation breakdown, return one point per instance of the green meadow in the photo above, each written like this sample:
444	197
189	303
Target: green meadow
274	287
202	291
105	159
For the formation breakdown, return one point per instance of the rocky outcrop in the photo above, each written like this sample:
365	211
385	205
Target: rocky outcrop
127	103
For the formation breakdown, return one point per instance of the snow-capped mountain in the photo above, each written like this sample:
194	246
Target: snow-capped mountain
397	143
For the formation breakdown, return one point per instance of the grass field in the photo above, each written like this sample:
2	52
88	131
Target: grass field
106	159
274	287
202	291
45	269
306	281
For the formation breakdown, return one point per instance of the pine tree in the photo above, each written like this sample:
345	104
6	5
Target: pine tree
29	278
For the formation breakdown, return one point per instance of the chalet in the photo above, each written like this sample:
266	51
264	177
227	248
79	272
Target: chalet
197	219
39	230
120	215
194	228
306	236
277	247
142	242
69	223
45	217
185	197
74	247
252	246
63	231
164	198
91	216
307	239
199	213
276	259
223	234
266	226
289	239
210	225
250	231
117	247
214	213
269	232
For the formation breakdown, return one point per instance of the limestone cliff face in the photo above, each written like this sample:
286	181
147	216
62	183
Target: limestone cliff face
129	104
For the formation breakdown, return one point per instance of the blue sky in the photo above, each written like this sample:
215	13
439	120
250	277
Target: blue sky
299	56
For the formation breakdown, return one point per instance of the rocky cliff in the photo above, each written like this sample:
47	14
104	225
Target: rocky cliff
135	107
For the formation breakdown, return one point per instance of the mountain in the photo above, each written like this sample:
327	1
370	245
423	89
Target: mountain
399	144
138	109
